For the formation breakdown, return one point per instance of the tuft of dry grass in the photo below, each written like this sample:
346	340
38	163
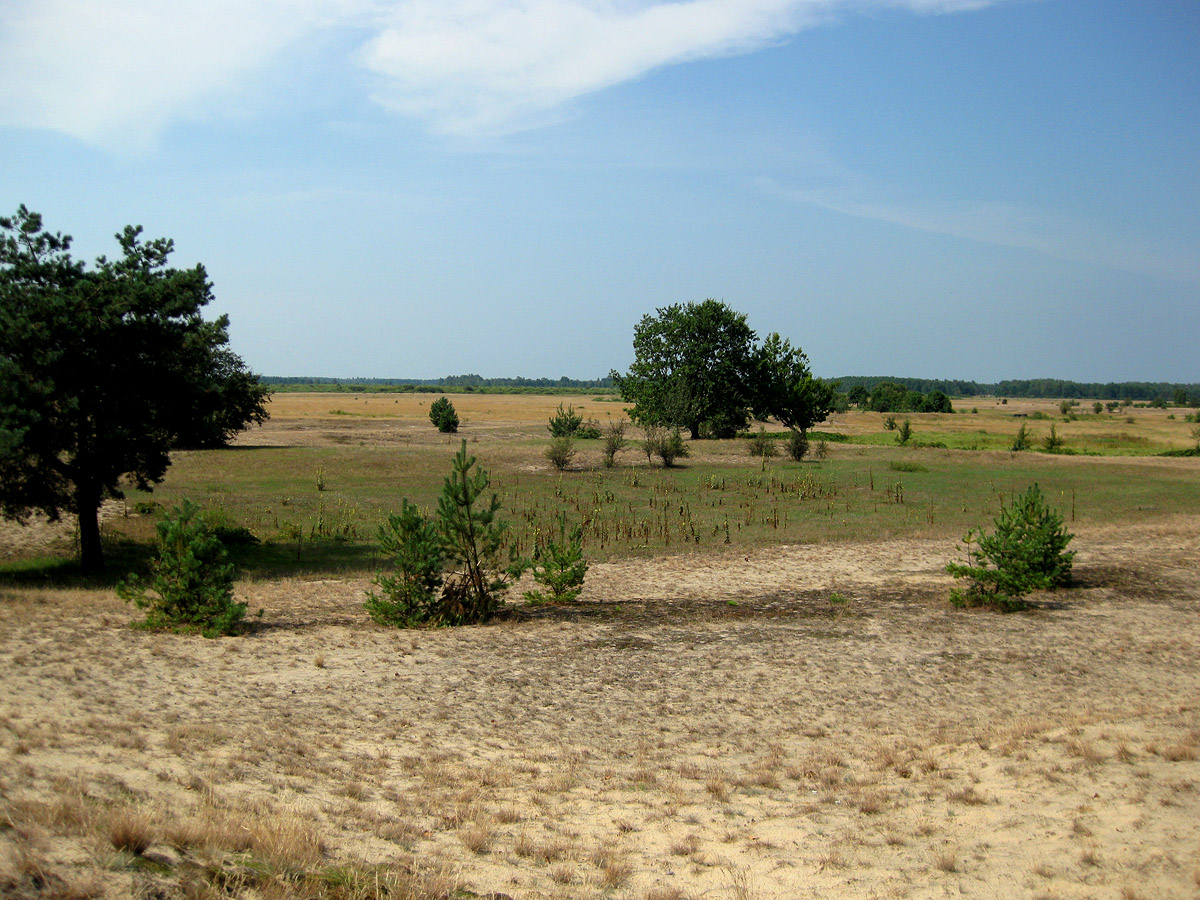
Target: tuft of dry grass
130	831
945	858
477	836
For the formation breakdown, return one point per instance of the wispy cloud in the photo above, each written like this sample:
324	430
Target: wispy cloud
117	72
1005	225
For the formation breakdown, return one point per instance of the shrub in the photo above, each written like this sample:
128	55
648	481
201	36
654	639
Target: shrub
904	432
559	567
409	596
191	580
565	422
1052	442
1021	441
797	445
443	415
1027	552
667	447
561	451
762	445
464	538
889	424
473	541
614	442
1097	408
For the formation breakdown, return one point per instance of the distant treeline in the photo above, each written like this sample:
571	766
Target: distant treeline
450	384
1043	388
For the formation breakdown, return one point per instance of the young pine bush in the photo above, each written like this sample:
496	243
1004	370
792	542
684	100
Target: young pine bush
460	551
191	579
565	422
1052	443
1027	552
904	432
443	415
797	445
668	447
1021	441
559	567
409	595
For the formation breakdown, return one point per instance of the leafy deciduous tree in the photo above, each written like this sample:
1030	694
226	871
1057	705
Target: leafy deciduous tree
692	369
786	389
104	371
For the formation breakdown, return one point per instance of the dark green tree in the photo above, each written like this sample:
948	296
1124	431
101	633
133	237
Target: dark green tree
693	369
936	402
785	388
443	415
887	396
104	371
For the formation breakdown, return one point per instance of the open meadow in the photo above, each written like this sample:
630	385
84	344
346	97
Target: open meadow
762	691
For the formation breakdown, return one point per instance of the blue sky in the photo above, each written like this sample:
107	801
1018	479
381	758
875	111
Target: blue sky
417	188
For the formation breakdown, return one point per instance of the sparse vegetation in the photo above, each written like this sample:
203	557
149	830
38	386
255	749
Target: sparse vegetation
666	718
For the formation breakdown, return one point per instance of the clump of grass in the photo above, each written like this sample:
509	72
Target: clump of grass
130	832
945	859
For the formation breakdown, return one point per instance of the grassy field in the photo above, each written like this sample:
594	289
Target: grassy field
762	693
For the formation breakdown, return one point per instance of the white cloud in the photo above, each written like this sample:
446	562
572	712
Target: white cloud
117	72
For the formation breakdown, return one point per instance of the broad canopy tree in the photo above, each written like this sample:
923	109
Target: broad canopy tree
698	367
104	371
692	369
786	389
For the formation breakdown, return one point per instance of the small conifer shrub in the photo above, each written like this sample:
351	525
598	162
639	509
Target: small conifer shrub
408	595
461	551
191	579
1027	552
443	415
614	442
559	567
797	445
560	452
762	445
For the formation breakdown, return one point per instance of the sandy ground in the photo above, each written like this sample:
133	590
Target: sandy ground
803	722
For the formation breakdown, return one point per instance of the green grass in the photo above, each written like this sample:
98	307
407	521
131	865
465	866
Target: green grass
863	494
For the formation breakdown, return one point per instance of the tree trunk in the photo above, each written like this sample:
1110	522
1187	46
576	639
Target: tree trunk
695	431
87	507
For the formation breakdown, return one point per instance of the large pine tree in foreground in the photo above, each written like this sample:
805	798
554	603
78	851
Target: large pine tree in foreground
104	371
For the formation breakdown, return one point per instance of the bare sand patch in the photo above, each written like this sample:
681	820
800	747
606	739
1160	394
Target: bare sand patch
806	721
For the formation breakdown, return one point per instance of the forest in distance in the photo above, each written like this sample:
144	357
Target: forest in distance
1179	393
